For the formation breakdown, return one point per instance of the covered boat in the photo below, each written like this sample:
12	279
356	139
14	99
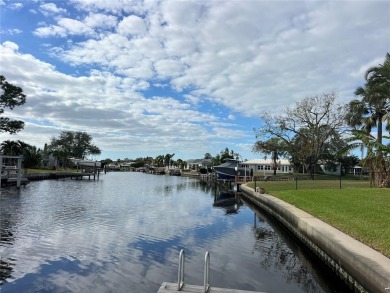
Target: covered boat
230	169
85	163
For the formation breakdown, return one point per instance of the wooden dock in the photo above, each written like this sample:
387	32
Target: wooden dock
7	180
172	287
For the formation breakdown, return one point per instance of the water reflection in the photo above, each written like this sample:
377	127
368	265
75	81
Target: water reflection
123	234
9	218
227	200
278	251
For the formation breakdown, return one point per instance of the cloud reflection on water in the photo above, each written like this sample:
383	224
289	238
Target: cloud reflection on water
123	233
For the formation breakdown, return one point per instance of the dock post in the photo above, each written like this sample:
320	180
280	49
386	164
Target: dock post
18	174
1	170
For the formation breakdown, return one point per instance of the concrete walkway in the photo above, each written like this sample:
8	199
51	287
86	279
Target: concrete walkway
363	267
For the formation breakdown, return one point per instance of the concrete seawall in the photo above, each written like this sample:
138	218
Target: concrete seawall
360	266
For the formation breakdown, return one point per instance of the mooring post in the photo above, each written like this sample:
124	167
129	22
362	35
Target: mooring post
18	174
1	170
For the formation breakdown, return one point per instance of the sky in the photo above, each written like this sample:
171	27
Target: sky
147	78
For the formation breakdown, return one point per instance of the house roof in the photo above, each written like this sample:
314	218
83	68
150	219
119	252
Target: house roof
199	161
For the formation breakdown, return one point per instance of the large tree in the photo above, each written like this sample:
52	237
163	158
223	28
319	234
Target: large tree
72	144
305	129
11	96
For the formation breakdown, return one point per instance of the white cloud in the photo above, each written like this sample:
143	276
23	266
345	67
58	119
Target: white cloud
16	6
14	31
231	117
64	28
75	27
168	68
10	46
99	20
52	30
132	26
48	9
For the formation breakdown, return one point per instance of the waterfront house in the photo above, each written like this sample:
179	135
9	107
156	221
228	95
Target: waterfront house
196	164
264	166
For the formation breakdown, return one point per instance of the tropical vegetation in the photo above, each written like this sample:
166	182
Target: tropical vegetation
368	112
11	96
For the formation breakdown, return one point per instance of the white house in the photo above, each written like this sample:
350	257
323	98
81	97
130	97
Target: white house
265	166
197	164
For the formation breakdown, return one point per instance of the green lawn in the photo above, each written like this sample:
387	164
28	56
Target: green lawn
363	213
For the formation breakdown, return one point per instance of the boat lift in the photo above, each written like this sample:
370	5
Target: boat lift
7	170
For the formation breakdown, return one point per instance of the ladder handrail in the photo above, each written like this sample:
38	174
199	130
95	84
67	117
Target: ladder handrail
206	272
180	277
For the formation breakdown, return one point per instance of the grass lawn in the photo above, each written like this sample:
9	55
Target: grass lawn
363	213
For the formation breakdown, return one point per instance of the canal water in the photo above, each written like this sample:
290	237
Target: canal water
123	233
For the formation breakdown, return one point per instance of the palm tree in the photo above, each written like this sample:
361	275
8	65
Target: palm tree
372	111
369	112
10	148
374	106
377	158
168	159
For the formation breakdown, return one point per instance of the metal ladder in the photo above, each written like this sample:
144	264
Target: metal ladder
180	281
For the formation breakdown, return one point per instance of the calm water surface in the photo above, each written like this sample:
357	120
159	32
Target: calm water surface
124	232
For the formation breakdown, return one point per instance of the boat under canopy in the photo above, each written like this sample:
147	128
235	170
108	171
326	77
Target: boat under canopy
85	163
230	169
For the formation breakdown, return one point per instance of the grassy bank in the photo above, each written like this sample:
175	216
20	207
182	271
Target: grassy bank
363	213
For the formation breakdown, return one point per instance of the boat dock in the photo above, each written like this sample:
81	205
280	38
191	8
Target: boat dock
12	180
61	175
